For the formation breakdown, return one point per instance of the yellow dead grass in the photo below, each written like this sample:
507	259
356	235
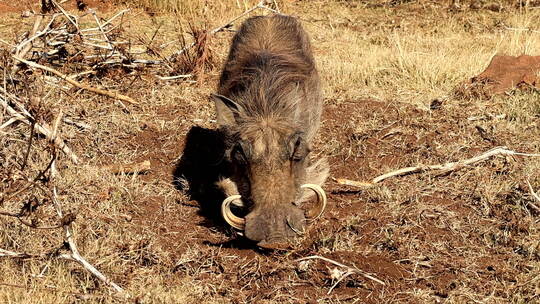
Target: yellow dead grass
361	52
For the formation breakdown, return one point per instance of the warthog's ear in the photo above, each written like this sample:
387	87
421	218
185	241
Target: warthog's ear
226	110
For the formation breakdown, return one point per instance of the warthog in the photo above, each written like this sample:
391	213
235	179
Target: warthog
268	106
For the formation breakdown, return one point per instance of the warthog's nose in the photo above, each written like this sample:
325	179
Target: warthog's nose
274	226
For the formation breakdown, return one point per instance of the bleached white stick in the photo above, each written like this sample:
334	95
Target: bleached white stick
452	166
349	270
74	255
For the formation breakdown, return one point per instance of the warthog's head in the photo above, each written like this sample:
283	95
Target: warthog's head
269	161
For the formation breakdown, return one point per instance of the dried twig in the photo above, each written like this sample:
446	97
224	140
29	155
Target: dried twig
521	29
22	52
535	195
443	169
43	129
30	184
74	255
9	122
29	146
342	274
74	22
261	4
78	124
75	76
7	253
102	31
78	84
174	77
107	22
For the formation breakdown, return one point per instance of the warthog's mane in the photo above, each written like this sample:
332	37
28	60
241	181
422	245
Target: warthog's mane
267	87
269	61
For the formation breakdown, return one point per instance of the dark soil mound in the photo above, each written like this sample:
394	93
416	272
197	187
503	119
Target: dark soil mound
503	74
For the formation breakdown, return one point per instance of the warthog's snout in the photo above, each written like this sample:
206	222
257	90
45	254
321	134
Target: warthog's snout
272	226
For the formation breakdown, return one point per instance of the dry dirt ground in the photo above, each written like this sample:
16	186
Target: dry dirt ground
390	75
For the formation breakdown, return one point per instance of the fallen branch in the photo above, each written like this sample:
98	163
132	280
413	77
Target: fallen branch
11	254
444	168
341	275
76	83
108	21
74	255
78	124
139	167
43	129
8	123
174	77
19	51
101	30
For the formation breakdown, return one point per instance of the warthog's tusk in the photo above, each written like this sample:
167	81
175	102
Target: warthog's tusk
240	223
231	219
321	201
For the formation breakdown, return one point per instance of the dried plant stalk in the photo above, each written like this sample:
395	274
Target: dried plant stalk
443	169
43	129
111	94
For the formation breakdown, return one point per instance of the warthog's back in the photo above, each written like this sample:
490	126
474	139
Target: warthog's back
270	71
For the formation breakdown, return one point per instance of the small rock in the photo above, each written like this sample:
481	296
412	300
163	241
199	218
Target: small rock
26	14
303	266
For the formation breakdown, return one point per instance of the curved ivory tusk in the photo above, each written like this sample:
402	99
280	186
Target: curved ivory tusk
321	201
231	219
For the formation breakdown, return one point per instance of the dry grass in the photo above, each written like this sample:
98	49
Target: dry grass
470	236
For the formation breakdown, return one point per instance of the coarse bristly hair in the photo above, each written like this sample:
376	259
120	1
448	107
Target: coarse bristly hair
266	76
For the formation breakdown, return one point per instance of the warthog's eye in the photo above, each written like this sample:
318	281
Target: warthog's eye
238	154
299	149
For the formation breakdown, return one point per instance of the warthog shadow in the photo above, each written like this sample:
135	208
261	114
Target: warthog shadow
199	168
201	165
